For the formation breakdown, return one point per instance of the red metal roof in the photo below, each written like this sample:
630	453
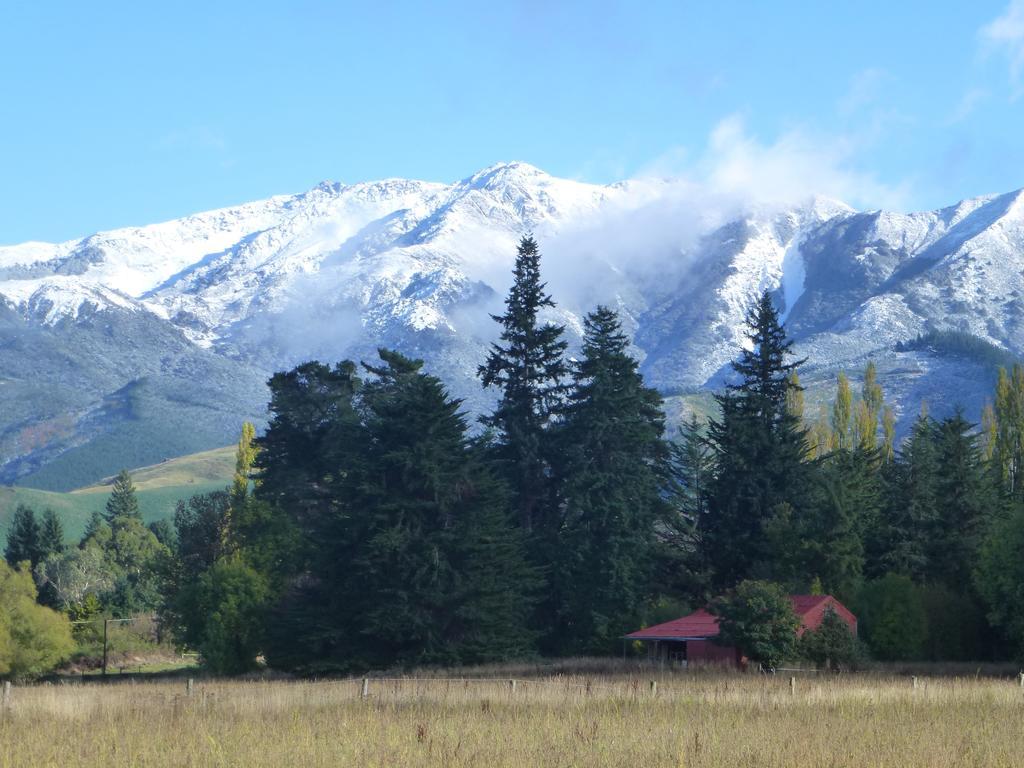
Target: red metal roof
698	625
701	625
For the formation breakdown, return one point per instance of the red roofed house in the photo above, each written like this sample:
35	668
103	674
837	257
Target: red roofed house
691	638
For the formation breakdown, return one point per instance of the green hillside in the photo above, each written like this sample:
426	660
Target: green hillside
160	487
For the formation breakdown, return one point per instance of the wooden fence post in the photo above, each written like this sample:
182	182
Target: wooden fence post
512	687
188	687
5	700
654	687
366	688
1021	676
914	682
792	686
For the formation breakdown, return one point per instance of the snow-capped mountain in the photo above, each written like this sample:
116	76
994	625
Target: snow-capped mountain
129	345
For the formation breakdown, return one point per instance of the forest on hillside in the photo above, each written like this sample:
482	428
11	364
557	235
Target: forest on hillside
373	526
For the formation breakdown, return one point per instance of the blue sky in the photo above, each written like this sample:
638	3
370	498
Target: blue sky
114	114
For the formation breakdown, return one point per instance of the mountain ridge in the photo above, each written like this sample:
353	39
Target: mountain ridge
104	337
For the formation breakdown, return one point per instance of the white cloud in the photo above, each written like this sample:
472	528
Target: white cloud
650	231
1005	35
792	168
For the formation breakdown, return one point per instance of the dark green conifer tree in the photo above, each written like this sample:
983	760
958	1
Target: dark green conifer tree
307	455
307	461
164	532
51	535
614	477
23	538
841	506
759	448
122	501
96	530
527	365
908	516
965	498
414	559
684	567
431	520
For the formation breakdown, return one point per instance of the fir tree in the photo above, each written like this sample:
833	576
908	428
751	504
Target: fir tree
411	557
615	469
305	460
527	365
51	535
758	449
911	502
685	567
843	504
24	542
94	528
122	501
430	515
963	501
163	530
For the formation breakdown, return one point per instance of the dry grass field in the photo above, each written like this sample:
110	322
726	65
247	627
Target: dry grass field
695	720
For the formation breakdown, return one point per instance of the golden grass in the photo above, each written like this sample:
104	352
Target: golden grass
214	466
694	720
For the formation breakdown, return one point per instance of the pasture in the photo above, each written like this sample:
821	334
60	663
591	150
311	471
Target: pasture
698	720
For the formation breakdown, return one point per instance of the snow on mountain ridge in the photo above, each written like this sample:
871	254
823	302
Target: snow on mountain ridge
397	258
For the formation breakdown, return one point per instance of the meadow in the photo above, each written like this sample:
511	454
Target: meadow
692	719
159	488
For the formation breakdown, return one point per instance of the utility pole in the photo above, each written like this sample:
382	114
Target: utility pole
106	623
106	632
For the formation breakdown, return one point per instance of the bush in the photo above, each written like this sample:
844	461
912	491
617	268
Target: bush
230	600
832	645
758	619
893	619
33	638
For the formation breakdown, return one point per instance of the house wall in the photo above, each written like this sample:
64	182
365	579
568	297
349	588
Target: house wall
709	652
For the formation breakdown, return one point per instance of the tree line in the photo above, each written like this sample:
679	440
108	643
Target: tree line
374	525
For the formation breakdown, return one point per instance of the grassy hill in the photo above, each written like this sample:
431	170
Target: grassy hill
160	487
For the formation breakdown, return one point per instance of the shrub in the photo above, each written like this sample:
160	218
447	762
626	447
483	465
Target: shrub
832	645
33	638
231	599
758	619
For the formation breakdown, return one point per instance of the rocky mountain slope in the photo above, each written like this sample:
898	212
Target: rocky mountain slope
129	346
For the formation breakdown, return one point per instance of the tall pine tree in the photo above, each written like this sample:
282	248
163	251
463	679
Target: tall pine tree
23	538
616	466
410	553
123	501
527	366
51	535
964	501
759	448
684	562
901	544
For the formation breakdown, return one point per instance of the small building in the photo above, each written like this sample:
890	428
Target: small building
691	639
